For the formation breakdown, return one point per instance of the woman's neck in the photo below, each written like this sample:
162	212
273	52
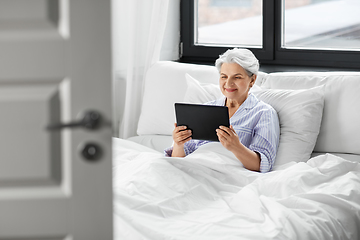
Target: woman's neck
233	106
234	103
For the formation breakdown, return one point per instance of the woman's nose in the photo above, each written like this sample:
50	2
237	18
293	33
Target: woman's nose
230	82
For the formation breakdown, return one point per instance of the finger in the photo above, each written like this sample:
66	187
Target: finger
183	140
221	134
186	133
180	128
232	129
222	139
226	130
183	134
175	128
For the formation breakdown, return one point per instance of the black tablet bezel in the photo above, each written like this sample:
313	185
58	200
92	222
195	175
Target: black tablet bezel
202	120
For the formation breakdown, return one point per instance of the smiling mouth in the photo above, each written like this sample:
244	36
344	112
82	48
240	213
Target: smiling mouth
230	89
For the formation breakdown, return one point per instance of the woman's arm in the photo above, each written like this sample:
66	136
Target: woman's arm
230	140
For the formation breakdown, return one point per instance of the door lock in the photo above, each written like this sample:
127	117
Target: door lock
91	151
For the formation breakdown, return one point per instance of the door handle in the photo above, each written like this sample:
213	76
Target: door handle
91	120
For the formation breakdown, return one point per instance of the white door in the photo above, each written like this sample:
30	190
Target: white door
55	63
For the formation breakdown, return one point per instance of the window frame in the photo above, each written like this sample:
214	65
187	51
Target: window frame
272	53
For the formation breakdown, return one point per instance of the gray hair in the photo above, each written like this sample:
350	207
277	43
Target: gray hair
244	57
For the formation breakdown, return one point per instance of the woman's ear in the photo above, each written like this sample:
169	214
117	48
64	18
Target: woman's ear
254	76
253	79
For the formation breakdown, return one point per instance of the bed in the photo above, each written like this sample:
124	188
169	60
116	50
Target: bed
312	192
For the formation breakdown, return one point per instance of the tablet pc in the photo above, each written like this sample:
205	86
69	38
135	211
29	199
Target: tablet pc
202	120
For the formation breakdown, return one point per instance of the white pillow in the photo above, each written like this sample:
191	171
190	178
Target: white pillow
299	111
197	92
164	85
158	113
300	114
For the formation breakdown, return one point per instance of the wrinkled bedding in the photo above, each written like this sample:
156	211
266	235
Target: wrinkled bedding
209	195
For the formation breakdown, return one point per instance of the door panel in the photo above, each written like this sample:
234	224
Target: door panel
26	108
55	63
52	218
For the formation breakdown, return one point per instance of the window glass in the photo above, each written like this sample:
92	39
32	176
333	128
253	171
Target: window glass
229	23
321	24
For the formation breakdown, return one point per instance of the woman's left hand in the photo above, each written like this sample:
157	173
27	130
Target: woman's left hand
228	137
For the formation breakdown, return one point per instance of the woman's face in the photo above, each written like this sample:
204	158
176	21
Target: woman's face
234	82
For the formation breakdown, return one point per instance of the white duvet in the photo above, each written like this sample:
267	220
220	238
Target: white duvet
209	195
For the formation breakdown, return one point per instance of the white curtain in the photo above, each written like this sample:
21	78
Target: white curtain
138	28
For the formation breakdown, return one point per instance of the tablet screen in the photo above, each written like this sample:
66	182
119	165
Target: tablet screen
202	120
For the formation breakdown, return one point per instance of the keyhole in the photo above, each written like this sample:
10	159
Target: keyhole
91	151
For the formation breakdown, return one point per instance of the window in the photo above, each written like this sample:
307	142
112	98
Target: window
230	3
326	24
214	21
283	32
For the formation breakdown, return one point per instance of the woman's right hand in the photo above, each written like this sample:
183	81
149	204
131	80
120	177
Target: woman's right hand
181	135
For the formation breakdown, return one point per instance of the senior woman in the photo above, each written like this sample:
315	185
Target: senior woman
253	136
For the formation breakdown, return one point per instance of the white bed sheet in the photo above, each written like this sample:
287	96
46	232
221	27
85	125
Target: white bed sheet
209	195
160	142
157	142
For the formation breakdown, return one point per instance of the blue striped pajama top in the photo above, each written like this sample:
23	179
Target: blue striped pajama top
257	125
